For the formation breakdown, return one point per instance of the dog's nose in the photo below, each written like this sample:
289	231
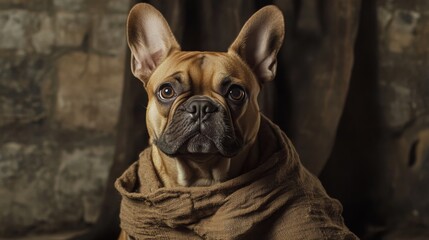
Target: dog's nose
201	108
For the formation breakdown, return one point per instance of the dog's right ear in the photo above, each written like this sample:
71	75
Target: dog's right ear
150	40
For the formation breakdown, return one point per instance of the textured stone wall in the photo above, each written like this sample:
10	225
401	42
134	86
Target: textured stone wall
379	167
61	74
403	102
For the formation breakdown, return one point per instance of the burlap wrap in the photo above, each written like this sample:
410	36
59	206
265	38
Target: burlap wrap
279	199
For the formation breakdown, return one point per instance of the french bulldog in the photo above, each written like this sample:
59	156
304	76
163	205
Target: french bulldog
206	130
202	114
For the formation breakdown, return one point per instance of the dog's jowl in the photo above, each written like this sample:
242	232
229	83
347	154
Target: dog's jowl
216	168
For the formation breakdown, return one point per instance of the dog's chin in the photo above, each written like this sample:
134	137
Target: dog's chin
199	144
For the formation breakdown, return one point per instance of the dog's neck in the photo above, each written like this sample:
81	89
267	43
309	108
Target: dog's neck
189	171
179	171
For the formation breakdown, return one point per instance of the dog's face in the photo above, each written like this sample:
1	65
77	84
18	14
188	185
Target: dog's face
203	102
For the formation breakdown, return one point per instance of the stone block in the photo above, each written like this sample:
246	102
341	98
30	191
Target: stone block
38	5
71	28
29	171
118	6
26	31
14	111
81	180
384	16
91	206
44	186
43	39
89	91
421	41
70	5
8	168
109	34
401	32
20	100
14	26
25	186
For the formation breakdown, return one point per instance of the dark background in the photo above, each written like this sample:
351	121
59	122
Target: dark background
352	92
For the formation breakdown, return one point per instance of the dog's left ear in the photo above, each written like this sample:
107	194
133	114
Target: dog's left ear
259	41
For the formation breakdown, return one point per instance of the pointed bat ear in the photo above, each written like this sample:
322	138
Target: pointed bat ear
259	42
150	40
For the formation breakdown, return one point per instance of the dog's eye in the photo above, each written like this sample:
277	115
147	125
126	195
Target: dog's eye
166	91
236	93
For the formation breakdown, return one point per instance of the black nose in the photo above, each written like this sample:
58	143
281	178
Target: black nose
201	107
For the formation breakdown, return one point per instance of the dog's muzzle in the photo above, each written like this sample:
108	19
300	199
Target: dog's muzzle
199	126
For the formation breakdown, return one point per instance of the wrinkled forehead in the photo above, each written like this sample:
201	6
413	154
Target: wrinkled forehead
203	68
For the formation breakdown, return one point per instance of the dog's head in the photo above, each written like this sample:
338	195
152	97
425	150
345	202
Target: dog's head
203	102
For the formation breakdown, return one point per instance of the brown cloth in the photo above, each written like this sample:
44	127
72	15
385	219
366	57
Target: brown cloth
279	199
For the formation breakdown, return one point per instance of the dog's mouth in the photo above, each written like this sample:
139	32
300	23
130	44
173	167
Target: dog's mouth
198	143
